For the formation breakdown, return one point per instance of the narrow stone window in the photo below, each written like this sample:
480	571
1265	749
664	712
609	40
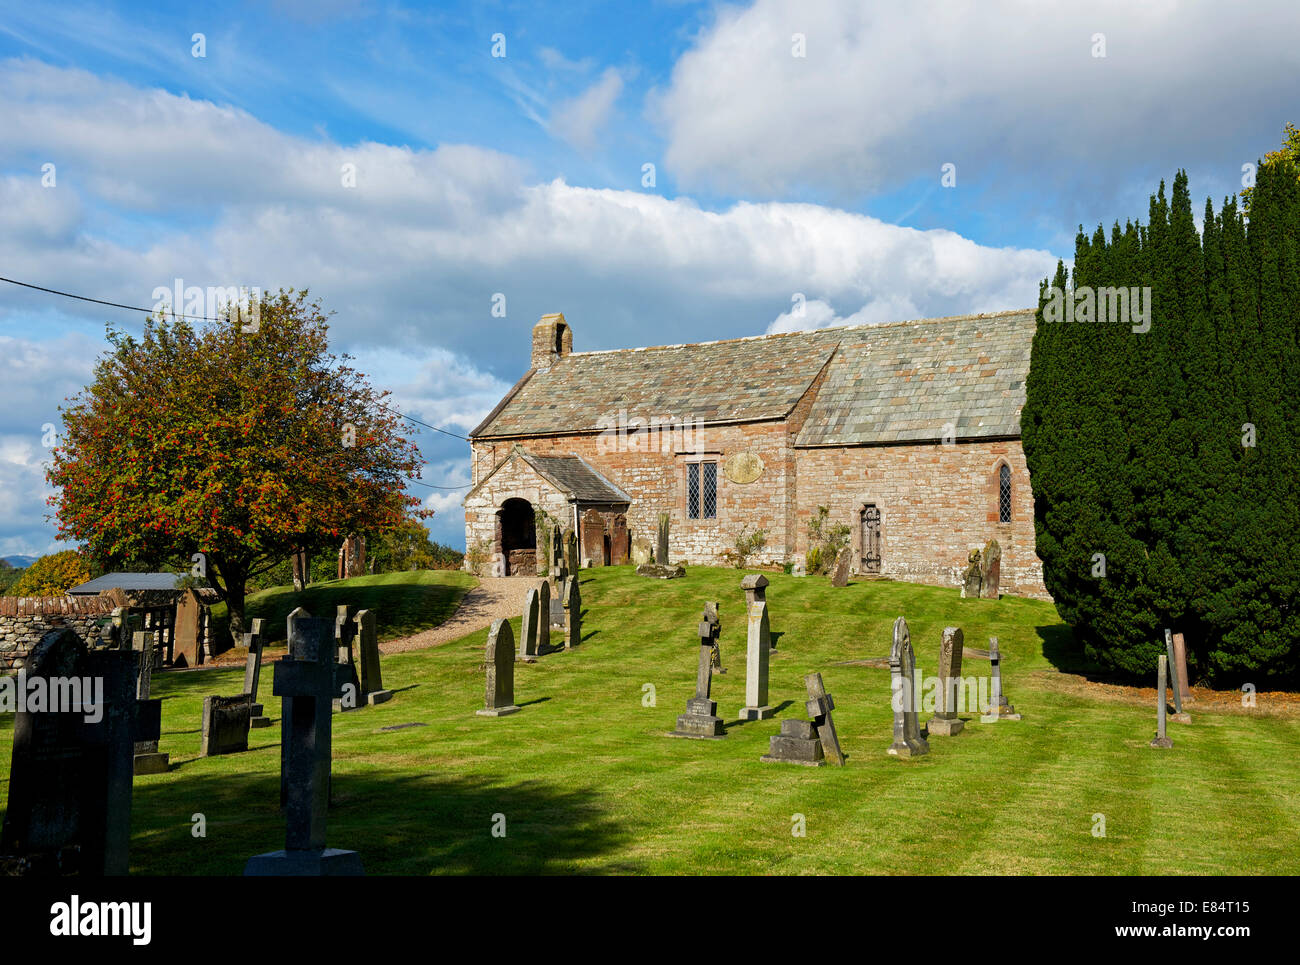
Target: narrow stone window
1004	494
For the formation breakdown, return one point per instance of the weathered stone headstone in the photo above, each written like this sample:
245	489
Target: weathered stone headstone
69	793
1178	715
310	640
945	720
225	725
711	617
798	568
819	707
1179	667
573	613
255	641
593	538
544	618
797	743
674	571
991	570
642	553
528	629
148	760
306	689
757	650
571	562
902	673
972	581
348	683
999	708
701	722
1161	740
840	577
661	544
618	541
500	699
372	678
755	586
300	565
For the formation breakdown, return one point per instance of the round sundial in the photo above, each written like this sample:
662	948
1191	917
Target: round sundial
743	467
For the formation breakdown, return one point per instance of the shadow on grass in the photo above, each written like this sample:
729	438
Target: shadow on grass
400	824
1063	652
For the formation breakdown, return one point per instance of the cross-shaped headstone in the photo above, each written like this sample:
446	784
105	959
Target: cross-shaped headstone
819	707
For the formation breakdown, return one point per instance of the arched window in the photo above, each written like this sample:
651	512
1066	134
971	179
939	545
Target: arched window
1004	494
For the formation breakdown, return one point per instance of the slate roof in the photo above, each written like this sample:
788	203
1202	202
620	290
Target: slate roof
131	582
896	382
572	474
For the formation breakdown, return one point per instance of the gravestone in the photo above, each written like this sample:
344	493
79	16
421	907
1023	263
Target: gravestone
557	551
819	707
528	629
991	570
642	553
347	693
571	562
301	570
701	722
902	679
544	618
306	689
225	725
711	617
593	538
372	678
1179	667
618	541
755	586
500	698
573	613
1161	740
255	641
147	759
797	743
674	571
798	568
841	575
999	709
945	720
972	581
69	792
757	649
310	640
1178	715
661	544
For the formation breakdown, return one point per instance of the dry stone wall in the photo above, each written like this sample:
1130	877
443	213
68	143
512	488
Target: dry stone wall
25	619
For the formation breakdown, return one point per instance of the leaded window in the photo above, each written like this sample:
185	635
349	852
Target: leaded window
702	490
1004	494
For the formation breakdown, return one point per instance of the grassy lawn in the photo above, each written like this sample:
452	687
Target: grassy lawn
404	603
588	783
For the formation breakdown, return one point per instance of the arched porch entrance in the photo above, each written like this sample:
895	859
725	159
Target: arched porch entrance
517	537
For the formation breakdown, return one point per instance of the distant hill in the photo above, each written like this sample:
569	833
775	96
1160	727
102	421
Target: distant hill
20	562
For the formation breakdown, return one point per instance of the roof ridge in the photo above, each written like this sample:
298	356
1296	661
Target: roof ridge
807	332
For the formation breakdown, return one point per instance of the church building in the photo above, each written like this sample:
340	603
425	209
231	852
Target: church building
908	433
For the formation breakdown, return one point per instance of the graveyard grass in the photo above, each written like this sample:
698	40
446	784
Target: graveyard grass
587	781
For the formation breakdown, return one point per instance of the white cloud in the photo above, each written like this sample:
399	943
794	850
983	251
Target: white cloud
1005	89
579	121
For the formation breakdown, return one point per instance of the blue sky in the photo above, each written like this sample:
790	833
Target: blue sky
798	149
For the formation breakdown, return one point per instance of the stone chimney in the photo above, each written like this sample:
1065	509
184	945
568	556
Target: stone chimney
552	339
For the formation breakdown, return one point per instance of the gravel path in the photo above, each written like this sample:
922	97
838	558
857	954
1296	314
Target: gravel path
495	597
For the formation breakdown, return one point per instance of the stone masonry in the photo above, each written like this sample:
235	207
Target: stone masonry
25	619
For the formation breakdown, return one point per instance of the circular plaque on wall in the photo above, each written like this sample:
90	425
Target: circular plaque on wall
743	467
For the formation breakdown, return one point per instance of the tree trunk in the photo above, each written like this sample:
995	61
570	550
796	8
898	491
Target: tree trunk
233	584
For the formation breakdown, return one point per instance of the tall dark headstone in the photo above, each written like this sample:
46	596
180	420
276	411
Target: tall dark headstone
306	689
372	680
69	804
347	692
1179	714
500	695
573	613
661	544
225	725
528	630
544	617
148	760
701	720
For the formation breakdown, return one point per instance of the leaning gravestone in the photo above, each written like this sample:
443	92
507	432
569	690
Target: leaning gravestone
225	725
306	689
991	570
902	673
69	794
819	707
945	720
701	720
500	699
372	679
757	650
255	641
148	760
999	709
528	628
1161	740
1179	714
573	613
841	575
